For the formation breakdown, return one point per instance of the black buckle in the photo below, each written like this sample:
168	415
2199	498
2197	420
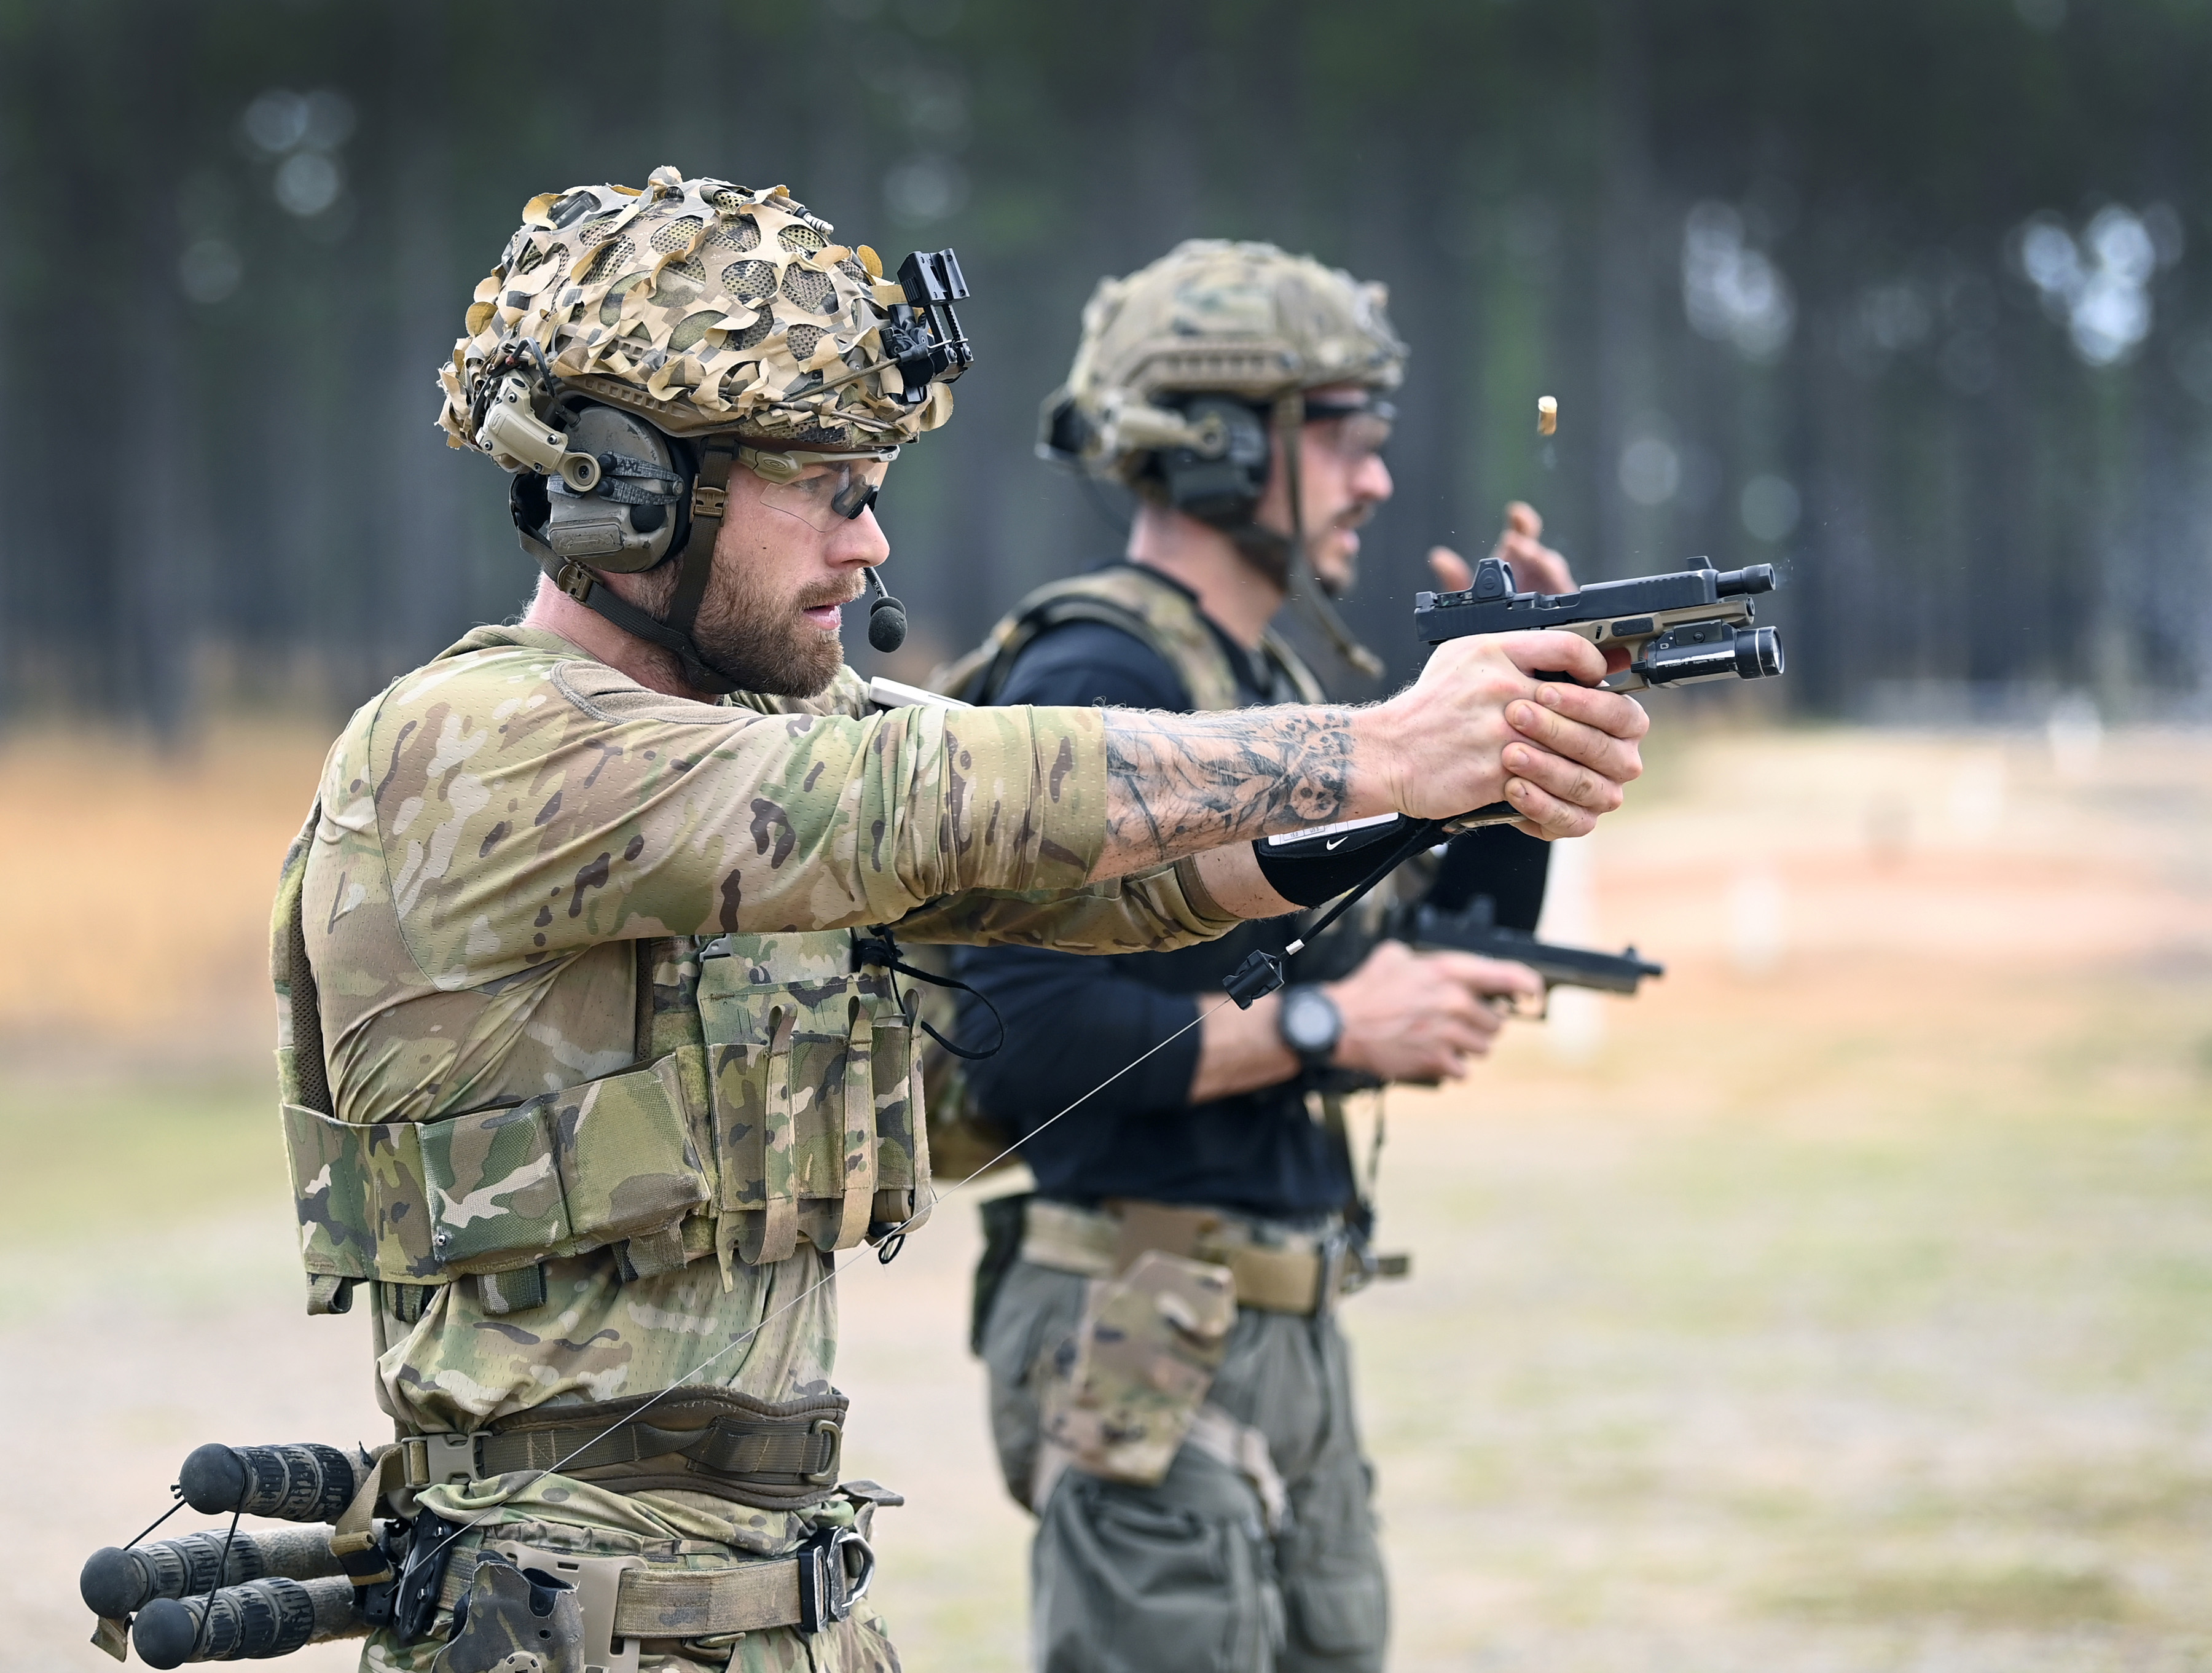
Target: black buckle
1328	1279
1255	979
1360	1268
830	1584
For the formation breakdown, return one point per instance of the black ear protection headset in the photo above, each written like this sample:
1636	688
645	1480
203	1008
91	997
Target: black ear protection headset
677	514
1221	480
660	500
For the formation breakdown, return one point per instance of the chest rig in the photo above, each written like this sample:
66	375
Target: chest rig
777	1100
1157	612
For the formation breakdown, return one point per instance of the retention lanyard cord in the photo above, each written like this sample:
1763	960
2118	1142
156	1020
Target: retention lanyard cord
159	1520
896	1233
881	949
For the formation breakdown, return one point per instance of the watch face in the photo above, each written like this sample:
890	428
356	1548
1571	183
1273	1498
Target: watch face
1310	1021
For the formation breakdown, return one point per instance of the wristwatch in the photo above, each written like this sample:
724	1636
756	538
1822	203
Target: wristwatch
1310	1024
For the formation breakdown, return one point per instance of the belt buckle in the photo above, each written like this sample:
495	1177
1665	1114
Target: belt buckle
1328	1279
827	1588
1362	1269
441	1458
598	1581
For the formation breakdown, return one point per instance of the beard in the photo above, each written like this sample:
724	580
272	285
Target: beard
745	632
1268	550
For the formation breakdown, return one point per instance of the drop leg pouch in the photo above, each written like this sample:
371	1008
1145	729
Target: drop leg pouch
1119	1395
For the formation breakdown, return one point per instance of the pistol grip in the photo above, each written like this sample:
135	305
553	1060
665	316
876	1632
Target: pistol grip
1498	813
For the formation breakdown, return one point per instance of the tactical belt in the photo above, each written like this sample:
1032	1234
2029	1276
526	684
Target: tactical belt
1277	1269
624	1598
770	1455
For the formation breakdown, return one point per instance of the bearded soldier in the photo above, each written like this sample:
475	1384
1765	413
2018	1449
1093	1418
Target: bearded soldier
1238	390
598	1049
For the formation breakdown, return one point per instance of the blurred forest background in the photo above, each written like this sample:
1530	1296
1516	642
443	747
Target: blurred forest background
1837	1306
1913	297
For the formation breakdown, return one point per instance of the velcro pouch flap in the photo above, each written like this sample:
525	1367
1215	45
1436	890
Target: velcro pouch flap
494	1185
359	1192
499	1189
629	1157
330	1191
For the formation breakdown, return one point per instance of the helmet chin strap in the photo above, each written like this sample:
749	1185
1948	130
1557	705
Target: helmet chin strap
694	565
1289	561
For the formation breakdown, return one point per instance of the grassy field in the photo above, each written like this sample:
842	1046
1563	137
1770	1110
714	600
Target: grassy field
1839	1304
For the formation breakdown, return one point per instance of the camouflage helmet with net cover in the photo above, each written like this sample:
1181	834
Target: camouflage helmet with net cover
1212	316
631	348
1188	367
699	306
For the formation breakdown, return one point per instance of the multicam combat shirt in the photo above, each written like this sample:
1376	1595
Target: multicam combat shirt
521	856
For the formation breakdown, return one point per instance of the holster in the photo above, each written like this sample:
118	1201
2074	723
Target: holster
1118	1396
513	1620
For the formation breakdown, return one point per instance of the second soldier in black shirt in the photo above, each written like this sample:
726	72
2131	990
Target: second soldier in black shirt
1202	1499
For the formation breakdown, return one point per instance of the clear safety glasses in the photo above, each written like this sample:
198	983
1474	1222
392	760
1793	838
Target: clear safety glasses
1356	435
824	490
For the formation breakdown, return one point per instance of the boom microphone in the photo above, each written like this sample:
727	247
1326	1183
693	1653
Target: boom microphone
887	617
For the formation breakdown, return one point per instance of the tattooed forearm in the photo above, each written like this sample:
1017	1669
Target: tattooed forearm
1180	783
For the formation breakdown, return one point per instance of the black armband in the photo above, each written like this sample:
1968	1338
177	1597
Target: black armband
1309	868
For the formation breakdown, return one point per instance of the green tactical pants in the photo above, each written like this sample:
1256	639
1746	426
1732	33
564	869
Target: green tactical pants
1183	1577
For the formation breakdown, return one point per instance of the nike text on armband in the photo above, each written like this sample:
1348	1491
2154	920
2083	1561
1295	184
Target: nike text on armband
1319	863
1331	837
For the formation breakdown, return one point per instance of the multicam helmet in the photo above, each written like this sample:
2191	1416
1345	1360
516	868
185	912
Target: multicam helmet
1211	317
1186	366
699	306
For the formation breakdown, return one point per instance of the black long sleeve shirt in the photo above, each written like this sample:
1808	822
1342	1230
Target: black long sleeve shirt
1073	1020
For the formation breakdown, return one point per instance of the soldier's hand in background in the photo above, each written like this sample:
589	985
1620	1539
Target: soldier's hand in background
1536	567
1421	1016
1408	1016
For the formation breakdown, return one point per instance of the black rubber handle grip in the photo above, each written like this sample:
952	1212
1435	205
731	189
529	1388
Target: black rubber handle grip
118	1583
304	1482
249	1622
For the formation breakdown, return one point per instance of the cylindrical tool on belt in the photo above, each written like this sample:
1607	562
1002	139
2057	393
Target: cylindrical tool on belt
118	1582
252	1622
306	1481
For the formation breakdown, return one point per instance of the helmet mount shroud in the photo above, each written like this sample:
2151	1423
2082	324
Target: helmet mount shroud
631	348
